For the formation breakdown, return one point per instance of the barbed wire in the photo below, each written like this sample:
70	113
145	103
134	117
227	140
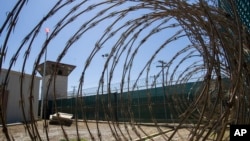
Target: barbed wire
219	49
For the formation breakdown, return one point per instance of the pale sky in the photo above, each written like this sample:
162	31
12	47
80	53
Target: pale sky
80	50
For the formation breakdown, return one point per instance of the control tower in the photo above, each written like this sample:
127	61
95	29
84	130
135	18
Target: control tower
61	82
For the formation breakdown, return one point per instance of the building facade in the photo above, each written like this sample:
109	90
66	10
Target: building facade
55	77
11	97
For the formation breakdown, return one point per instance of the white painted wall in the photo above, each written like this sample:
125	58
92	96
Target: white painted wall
61	84
14	112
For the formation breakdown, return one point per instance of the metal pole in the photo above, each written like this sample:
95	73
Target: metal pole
72	98
163	86
116	104
44	74
138	103
107	77
105	56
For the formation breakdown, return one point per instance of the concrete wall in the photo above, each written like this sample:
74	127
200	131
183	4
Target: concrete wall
13	110
61	84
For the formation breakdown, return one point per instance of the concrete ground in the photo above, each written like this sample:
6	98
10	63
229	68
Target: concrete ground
108	131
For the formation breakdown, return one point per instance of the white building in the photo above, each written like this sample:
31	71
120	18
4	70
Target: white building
55	82
11	100
59	72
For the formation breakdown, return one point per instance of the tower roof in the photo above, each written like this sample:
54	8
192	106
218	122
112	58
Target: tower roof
61	68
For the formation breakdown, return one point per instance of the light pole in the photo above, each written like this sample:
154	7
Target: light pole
163	86
106	56
44	74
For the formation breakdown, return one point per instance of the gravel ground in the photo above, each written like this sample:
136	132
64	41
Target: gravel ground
109	132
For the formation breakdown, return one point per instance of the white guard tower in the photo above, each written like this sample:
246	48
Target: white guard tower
61	83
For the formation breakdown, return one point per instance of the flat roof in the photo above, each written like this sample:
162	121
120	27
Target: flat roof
51	67
18	73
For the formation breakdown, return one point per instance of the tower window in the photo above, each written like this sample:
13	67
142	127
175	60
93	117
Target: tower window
59	72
